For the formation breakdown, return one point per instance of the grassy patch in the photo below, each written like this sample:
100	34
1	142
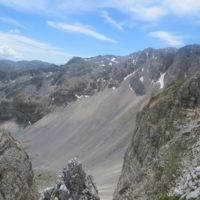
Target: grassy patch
172	88
169	198
44	177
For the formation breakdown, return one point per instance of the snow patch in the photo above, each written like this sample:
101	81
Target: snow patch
129	75
161	80
154	57
110	64
134	61
102	65
114	88
142	79
77	96
114	60
131	88
81	96
49	74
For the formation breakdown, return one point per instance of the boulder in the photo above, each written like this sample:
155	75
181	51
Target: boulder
74	184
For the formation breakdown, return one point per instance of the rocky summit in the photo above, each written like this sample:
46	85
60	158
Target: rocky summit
73	184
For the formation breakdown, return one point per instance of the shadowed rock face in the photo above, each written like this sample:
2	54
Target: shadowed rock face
74	184
164	150
16	175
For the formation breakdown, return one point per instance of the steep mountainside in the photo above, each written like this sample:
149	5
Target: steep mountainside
87	107
163	157
28	95
16	175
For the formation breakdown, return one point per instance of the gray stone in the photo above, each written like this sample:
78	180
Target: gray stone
193	194
16	175
74	185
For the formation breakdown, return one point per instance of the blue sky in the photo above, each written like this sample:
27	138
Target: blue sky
56	30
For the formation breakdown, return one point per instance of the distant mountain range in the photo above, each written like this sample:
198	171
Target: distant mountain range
44	85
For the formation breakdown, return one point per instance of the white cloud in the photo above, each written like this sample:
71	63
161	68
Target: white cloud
78	28
7	52
183	7
20	47
12	22
147	10
167	38
148	13
111	21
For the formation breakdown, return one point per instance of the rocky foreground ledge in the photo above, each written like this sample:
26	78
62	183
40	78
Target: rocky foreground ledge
73	184
16	174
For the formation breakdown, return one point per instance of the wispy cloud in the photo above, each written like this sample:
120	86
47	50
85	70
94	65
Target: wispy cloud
148	10
167	38
111	21
12	22
151	13
20	47
183	7
82	29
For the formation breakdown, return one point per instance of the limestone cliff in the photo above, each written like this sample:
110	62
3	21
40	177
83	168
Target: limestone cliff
163	157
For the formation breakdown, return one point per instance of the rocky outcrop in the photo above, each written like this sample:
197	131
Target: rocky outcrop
163	157
73	184
16	175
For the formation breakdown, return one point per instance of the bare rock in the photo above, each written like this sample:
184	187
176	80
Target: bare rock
16	175
74	184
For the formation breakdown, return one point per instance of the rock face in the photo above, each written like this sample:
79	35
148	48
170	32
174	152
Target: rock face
16	175
163	157
74	184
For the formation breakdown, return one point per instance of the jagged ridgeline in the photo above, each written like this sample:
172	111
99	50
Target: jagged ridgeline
30	90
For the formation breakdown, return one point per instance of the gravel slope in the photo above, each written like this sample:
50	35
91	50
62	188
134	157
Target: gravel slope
94	129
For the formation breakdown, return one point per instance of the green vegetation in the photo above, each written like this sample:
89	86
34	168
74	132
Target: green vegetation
174	159
2	173
169	198
172	88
